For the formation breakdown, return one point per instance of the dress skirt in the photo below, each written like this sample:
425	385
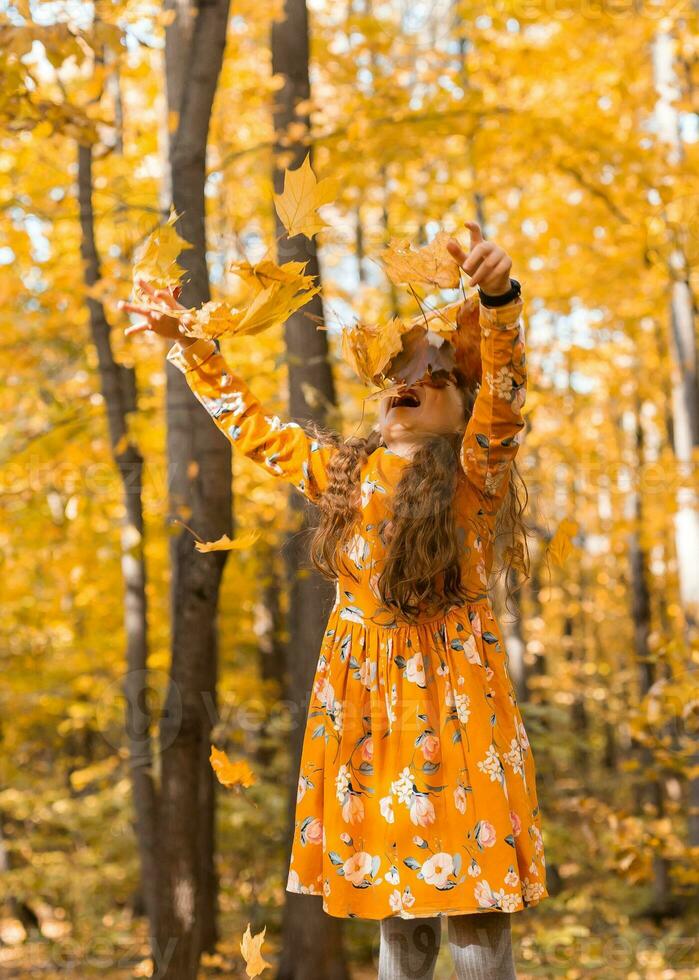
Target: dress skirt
417	786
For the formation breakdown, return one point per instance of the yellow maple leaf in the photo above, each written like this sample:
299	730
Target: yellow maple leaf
231	773
156	258
224	543
431	265
266	272
271	306
370	348
561	545
251	948
297	206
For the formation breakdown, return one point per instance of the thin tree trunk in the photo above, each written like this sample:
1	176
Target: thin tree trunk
513	632
268	630
199	484
118	384
648	791
312	941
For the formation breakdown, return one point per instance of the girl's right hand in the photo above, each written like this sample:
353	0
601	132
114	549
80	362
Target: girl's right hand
158	321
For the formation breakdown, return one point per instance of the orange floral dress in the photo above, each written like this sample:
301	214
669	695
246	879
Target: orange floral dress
417	787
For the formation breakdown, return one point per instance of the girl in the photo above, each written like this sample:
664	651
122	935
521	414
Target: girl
417	788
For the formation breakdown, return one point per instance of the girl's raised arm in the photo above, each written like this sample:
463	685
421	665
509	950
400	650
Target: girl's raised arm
491	439
283	449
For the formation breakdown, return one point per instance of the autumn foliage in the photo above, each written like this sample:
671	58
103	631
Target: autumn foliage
570	134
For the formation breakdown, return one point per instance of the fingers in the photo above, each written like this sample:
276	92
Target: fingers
456	251
136	328
169	297
502	270
137	308
475	231
484	253
495	264
478	247
485	261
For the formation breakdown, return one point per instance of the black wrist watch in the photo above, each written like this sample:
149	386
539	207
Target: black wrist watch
504	298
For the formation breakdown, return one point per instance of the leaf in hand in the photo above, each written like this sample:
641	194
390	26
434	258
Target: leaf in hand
251	948
432	265
303	194
272	305
156	258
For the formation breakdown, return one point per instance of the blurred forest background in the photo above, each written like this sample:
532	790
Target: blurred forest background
570	132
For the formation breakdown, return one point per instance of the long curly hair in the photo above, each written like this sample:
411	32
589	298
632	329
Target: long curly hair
421	567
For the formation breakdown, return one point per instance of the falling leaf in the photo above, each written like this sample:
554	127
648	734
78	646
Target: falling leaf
156	259
224	543
303	194
431	265
272	306
370	348
230	773
251	948
266	272
418	357
80	778
561	545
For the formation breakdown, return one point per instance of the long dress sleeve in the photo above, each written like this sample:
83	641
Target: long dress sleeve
283	449
491	439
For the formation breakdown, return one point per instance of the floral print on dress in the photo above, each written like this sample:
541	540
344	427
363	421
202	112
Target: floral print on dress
417	785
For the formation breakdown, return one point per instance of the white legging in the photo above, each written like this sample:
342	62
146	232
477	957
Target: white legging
480	944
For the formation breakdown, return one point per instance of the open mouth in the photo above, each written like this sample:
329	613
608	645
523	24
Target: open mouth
406	399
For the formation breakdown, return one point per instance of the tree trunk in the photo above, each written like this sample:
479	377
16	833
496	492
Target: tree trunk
199	484
513	632
118	385
649	791
271	648
312	941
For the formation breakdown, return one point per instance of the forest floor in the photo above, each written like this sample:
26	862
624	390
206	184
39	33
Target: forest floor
556	940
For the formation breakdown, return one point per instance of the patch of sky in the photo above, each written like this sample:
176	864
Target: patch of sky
34	282
41	246
689	127
76	12
12	14
141	32
555	335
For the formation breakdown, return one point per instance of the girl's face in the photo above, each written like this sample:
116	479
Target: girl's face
420	410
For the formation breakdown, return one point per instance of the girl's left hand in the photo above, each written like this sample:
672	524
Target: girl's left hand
486	263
